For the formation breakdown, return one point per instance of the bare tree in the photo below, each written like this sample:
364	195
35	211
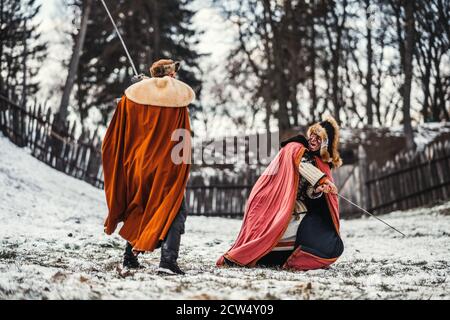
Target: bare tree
403	14
319	47
433	23
74	61
369	74
408	71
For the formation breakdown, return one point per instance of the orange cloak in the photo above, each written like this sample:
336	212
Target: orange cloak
144	188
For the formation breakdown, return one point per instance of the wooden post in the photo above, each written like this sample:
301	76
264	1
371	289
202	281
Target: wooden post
363	172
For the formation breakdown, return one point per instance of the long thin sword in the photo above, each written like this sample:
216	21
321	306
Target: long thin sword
120	37
364	210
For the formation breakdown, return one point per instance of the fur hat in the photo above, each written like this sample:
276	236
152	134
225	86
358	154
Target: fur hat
164	67
328	131
161	92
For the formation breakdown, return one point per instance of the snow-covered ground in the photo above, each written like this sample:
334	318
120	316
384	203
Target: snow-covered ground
53	247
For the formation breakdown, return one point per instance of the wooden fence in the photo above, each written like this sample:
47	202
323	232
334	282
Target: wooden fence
35	127
224	196
408	181
219	197
217	200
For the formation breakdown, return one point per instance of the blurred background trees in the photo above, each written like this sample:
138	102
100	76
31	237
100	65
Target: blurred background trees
357	60
368	63
21	49
151	29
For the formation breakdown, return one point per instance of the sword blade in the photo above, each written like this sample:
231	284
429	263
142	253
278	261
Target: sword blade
120	37
371	214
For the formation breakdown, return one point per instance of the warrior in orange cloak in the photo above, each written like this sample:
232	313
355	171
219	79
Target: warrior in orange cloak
144	186
292	215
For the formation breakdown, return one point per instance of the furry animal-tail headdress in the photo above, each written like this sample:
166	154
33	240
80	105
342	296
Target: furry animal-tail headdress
328	131
164	67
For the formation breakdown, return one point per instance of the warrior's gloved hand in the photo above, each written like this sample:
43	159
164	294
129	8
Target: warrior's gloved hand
138	78
327	187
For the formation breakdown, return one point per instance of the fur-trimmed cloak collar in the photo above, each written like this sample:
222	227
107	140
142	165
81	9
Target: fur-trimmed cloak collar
161	92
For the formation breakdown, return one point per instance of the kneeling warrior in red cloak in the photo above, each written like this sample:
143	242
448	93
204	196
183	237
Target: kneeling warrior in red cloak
292	215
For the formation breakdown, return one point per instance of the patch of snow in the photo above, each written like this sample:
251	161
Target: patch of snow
53	247
426	133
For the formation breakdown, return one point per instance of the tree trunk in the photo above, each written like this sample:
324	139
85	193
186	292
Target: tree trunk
335	47
294	106
369	102
440	92
335	86
281	83
267	118
313	90
408	72
427	92
24	67
156	31
74	61
426	54
281	87
378	86
1	45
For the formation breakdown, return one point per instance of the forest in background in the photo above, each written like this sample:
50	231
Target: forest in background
368	63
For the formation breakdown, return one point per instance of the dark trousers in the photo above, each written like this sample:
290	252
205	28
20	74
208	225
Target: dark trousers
170	246
274	258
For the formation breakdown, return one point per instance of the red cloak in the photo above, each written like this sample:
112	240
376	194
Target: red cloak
269	210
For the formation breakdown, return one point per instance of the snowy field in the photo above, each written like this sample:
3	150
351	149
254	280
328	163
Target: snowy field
53	247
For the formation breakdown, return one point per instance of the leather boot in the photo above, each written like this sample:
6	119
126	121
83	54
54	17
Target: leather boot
171	244
130	261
